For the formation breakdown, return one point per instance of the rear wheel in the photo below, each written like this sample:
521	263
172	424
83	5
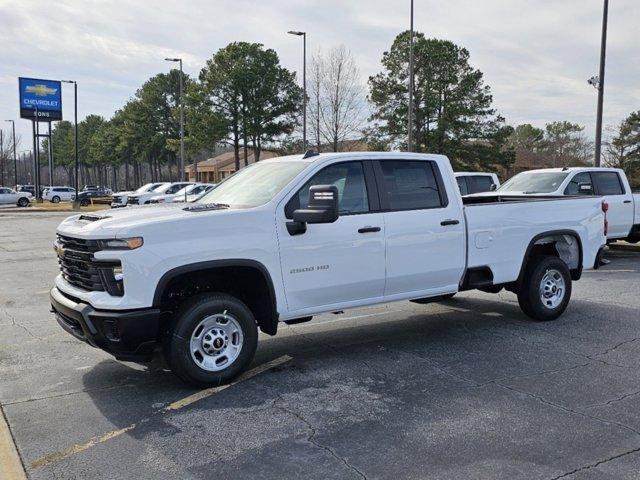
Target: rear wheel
55	199
23	202
546	288
84	202
213	340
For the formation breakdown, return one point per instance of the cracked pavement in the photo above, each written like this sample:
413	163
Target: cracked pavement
467	388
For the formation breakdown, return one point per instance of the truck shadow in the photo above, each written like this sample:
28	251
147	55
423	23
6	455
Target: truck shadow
478	341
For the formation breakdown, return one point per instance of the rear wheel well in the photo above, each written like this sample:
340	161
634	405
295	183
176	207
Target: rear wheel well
564	245
248	284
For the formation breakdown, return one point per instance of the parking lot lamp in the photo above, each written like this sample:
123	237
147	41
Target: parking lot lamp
304	86
179	60
76	202
603	52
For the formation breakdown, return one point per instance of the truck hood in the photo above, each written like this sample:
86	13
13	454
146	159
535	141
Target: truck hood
121	222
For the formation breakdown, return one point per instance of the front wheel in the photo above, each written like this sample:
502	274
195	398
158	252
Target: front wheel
55	199
546	288
23	202
213	340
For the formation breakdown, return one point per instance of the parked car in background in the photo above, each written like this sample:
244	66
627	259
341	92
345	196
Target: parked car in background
623	215
164	189
86	197
476	182
120	199
9	196
26	188
194	192
168	197
285	239
58	194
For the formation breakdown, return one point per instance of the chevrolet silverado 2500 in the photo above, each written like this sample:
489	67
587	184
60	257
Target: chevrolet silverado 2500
289	238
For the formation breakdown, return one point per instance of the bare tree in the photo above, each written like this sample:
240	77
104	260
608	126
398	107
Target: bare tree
337	99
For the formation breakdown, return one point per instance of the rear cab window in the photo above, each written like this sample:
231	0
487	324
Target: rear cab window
479	183
608	183
410	185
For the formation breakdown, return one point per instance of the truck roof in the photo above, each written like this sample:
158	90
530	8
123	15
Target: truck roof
334	155
572	169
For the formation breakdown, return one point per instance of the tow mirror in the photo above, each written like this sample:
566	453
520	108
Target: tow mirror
585	189
493	187
322	208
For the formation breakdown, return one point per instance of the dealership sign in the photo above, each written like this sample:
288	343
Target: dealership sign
40	97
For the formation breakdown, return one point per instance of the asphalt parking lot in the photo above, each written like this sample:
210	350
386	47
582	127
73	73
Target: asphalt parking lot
467	388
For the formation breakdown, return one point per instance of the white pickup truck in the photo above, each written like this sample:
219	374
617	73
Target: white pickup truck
297	236
610	183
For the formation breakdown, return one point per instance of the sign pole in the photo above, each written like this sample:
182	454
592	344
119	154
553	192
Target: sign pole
37	173
50	154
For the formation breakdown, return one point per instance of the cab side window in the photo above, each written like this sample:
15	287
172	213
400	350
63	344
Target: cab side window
574	184
479	183
348	177
608	183
410	185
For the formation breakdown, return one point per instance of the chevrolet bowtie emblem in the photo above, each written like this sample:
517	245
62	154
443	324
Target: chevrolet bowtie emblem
41	90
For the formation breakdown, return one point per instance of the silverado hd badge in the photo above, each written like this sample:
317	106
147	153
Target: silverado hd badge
309	269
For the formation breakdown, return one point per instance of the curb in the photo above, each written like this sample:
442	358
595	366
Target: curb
10	463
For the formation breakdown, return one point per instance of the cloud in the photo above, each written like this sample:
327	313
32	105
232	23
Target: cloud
536	55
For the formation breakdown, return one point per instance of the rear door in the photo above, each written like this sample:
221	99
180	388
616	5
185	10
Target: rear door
424	228
338	263
620	215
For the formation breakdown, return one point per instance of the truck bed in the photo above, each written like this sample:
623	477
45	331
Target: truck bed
500	228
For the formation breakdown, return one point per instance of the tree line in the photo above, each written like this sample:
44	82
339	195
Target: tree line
244	100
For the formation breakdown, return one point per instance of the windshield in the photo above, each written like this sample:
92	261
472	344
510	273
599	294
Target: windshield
187	190
162	188
254	185
146	188
534	182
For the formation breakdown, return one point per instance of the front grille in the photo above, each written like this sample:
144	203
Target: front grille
77	264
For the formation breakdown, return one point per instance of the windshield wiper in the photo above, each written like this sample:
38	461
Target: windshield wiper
199	207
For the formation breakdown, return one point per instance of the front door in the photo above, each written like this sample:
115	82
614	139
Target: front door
340	263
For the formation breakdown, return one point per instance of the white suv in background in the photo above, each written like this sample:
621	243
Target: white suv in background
168	197
120	199
9	196
57	194
164	189
193	192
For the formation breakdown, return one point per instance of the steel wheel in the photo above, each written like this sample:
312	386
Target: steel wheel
216	342
552	289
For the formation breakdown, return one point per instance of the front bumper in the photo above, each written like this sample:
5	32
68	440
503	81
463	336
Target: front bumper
127	335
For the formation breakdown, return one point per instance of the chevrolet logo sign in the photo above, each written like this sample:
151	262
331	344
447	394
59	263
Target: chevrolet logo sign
41	90
59	249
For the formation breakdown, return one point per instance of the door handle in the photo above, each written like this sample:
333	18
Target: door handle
368	229
627	201
451	221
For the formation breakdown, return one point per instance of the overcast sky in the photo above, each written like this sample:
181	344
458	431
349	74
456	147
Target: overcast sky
536	54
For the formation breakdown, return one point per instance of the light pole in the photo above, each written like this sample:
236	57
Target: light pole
600	82
410	113
76	202
15	160
304	85
179	60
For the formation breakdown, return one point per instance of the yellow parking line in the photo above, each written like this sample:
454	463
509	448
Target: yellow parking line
54	457
10	464
177	405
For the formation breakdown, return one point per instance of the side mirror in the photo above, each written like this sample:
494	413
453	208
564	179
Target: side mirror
493	187
322	208
585	189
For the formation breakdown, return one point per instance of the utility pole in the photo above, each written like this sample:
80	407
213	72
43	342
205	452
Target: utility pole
1	157
410	113
304	85
76	202
603	52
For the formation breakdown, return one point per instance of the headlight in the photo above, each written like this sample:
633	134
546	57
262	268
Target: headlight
122	243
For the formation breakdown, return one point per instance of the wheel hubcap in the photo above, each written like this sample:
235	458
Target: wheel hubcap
216	342
552	289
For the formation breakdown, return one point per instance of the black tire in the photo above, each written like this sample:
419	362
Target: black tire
84	202
23	202
177	340
531	291
55	199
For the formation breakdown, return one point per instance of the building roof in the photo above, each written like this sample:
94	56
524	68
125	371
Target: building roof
226	161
